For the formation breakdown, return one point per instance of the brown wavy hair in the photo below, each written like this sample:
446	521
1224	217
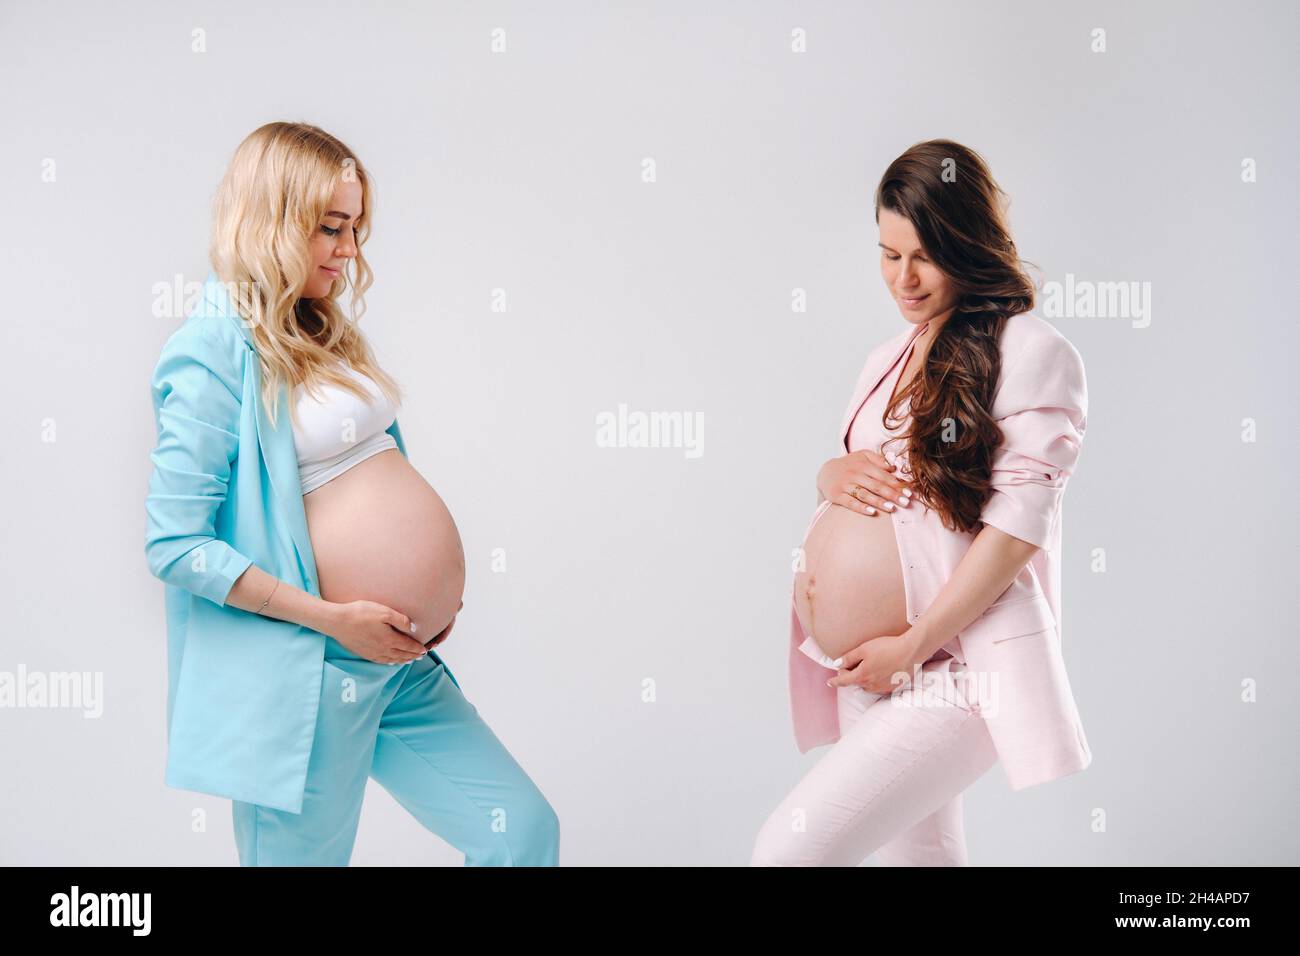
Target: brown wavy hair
948	194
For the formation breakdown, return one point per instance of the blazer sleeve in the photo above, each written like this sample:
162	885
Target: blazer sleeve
1042	409
196	390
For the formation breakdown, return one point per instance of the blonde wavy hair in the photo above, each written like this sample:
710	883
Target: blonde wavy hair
276	190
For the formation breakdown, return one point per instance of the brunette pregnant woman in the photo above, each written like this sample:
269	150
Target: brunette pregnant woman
311	568
932	560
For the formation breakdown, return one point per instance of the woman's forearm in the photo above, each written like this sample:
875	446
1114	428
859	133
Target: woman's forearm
288	603
984	573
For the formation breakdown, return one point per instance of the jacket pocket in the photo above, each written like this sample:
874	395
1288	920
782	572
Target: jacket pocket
1012	619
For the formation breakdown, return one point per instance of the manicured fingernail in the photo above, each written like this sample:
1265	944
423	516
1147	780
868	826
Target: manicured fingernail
888	506
413	627
907	492
871	510
903	501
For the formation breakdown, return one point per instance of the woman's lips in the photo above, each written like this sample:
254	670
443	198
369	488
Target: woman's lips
333	272
912	303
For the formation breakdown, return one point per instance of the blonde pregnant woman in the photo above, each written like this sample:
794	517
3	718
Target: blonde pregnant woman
379	531
934	554
311	569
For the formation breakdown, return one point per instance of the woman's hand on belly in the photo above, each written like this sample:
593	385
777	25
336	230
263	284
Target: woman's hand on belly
377	632
862	481
881	664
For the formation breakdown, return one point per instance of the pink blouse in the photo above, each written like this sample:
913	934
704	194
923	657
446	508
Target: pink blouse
868	429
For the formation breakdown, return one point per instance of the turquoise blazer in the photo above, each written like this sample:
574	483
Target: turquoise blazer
242	688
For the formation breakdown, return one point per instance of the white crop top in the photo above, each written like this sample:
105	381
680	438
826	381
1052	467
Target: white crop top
339	430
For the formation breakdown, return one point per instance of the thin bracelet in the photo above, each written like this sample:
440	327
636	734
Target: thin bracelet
268	597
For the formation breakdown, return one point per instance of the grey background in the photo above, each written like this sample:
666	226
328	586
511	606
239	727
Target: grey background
522	171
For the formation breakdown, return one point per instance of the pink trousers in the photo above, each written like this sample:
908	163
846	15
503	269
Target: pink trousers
892	784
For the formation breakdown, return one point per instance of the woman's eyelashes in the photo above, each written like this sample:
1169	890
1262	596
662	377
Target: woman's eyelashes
895	258
335	231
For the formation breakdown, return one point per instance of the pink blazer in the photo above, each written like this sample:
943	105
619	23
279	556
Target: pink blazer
1013	650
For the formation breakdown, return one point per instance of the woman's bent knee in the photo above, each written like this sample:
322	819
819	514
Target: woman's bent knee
540	843
527	834
781	842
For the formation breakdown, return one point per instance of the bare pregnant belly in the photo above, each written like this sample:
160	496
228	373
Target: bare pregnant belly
852	587
380	532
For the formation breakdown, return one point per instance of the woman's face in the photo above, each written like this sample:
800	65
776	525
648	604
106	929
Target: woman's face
334	241
920	289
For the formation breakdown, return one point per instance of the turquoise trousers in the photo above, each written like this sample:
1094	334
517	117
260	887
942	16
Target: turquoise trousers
410	727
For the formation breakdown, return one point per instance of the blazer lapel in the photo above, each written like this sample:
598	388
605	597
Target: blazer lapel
276	443
281	459
875	370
